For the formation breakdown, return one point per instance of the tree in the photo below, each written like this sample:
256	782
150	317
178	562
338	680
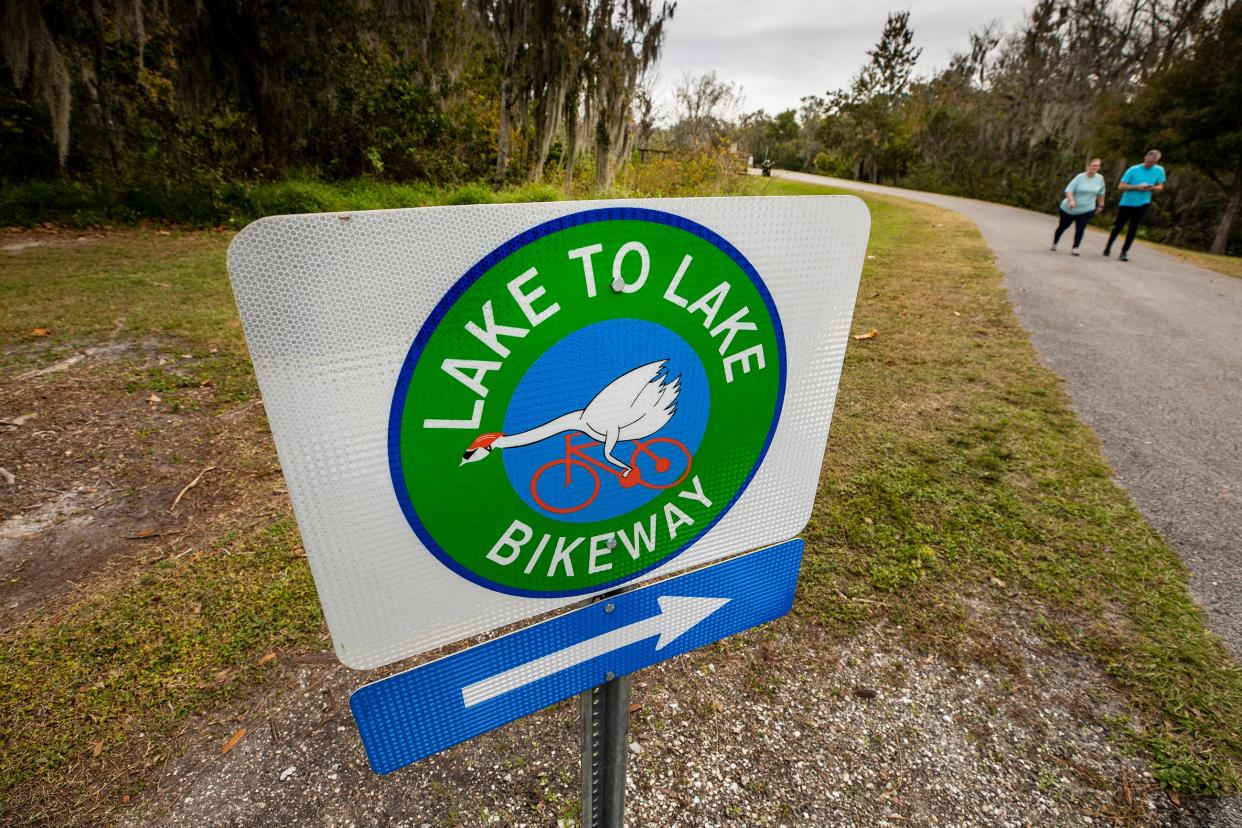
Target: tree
892	60
860	122
625	41
703	107
1193	111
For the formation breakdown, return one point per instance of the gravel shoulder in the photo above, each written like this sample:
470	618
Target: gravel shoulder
873	735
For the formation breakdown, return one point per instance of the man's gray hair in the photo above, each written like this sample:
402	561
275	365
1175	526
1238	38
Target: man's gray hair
1154	152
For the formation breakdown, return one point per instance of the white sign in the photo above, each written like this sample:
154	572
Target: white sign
485	413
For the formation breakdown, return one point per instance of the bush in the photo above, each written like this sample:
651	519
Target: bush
32	202
827	163
708	173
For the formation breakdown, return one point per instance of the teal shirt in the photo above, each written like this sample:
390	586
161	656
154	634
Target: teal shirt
1086	190
1138	174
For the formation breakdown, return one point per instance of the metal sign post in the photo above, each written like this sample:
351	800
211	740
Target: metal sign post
604	712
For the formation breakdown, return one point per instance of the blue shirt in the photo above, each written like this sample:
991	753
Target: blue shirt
1138	174
1086	189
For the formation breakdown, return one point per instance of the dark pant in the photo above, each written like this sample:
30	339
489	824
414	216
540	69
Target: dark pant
1079	221
1131	214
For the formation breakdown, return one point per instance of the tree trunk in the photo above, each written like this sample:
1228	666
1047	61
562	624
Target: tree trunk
101	92
502	136
547	119
603	152
1220	244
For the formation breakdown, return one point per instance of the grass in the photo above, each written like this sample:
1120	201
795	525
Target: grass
957	477
106	681
129	286
214	203
232	204
1228	265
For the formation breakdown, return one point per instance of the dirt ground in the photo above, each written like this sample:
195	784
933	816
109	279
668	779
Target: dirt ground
96	463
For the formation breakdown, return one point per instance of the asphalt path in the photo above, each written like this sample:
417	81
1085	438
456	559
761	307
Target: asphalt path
1151	353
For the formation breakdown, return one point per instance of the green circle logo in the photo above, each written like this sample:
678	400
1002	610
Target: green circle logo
586	402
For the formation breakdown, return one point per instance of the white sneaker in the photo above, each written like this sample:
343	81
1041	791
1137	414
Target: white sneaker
1053	248
1074	252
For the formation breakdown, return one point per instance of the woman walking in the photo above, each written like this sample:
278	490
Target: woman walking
1083	196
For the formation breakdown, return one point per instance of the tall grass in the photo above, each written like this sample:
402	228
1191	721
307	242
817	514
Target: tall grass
230	204
216	203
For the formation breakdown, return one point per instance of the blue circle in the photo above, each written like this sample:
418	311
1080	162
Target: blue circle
566	378
396	466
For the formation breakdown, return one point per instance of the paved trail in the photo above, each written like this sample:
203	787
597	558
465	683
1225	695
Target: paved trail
1151	351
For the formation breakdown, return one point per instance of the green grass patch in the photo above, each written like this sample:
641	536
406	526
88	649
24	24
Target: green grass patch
955	464
167	292
1228	265
110	677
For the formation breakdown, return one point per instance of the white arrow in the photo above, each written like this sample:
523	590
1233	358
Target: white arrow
676	616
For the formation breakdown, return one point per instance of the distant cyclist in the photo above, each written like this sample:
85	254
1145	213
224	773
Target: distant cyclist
1136	186
1083	196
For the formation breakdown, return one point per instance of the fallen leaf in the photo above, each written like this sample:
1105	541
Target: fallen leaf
39	332
957	313
266	658
997	582
871	334
96	749
125	799
298	552
154	398
222	676
143	533
169	232
233	740
1175	799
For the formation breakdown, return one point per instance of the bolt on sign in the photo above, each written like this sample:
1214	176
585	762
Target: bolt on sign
488	412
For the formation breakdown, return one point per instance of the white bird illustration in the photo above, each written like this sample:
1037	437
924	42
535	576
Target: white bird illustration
635	405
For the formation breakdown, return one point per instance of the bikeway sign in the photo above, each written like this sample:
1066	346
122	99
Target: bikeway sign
411	715
486	413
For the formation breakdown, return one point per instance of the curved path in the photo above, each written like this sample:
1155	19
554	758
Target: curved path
1151	352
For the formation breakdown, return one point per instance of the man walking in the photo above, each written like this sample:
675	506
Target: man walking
1136	186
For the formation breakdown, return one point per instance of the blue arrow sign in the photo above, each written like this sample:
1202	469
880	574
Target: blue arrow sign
422	711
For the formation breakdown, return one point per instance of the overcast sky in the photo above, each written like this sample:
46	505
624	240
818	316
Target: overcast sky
782	50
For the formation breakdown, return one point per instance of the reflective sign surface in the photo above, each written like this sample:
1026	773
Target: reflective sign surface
484	413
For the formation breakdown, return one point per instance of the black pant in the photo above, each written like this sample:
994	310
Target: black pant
1079	221
1131	214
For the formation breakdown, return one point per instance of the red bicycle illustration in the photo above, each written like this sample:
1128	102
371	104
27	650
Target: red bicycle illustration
660	461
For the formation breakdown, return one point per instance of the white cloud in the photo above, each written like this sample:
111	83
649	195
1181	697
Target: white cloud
783	50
